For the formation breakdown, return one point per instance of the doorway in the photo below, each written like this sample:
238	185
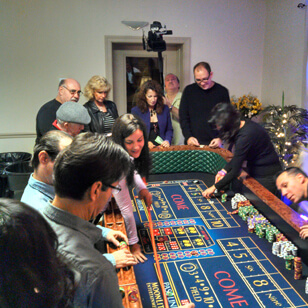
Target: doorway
122	52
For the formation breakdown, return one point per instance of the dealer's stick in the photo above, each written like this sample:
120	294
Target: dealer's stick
160	276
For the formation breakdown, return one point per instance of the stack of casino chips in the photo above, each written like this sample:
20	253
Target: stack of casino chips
298	268
236	199
288	251
270	233
245	211
263	228
289	260
282	249
267	230
281	237
252	221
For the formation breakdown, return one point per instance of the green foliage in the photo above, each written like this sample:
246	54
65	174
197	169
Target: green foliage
287	127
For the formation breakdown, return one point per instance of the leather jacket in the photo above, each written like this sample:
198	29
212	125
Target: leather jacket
96	124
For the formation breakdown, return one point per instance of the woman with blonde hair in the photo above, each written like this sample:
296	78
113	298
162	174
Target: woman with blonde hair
103	112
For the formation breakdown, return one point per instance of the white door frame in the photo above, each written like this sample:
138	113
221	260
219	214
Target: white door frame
184	59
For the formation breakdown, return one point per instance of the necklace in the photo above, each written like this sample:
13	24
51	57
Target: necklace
100	108
152	112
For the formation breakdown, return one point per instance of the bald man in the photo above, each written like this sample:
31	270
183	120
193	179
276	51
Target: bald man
68	90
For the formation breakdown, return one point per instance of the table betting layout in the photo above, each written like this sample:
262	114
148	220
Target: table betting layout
206	254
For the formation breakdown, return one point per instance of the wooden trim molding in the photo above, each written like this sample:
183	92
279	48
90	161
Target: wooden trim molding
17	135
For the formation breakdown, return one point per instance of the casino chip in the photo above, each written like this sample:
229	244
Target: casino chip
133	295
169	293
122	291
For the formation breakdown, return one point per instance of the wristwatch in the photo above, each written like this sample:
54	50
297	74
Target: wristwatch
170	107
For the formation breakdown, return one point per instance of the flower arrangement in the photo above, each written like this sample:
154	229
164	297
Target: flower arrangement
249	105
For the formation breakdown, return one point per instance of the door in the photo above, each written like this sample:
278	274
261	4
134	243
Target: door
133	67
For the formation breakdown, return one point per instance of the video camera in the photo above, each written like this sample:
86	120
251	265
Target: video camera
155	41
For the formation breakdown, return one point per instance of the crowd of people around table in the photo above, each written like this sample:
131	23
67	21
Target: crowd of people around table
52	254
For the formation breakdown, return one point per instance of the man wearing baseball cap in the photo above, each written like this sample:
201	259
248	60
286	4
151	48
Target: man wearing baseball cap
71	118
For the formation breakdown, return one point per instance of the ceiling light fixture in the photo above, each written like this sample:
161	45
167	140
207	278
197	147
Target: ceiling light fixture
135	25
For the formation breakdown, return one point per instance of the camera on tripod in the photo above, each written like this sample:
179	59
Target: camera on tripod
155	41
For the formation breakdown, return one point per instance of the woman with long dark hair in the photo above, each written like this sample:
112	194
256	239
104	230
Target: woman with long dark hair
129	131
32	274
155	114
251	143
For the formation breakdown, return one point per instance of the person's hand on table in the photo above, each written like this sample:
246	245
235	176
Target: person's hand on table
123	257
151	145
193	141
215	143
303	233
209	192
165	144
136	251
114	236
145	195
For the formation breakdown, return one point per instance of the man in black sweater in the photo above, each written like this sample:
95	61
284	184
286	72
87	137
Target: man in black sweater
197	101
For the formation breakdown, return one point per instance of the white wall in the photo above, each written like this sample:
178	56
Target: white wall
284	53
43	41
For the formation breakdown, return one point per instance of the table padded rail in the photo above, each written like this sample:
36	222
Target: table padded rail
186	161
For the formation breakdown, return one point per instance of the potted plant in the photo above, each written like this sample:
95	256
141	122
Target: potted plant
287	127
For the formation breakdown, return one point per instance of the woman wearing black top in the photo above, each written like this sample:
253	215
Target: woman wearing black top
103	112
252	144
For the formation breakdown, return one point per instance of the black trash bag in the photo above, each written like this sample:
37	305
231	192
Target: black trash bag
7	159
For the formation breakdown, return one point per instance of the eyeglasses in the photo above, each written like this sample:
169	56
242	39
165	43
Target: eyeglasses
73	92
117	188
203	79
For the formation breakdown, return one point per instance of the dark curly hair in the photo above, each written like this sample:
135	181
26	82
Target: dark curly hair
123	127
142	100
227	119
32	273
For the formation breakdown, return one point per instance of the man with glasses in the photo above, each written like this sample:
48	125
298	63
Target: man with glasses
68	90
86	173
198	99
